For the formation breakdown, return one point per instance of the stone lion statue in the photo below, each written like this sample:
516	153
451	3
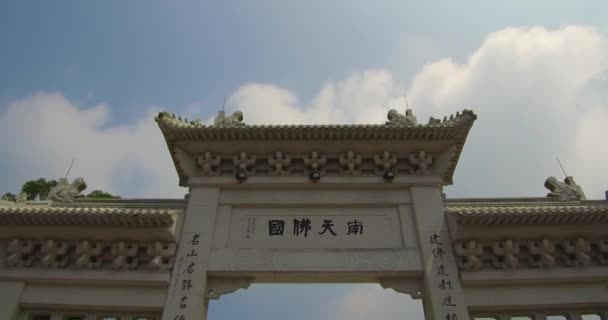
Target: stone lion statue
397	119
564	191
67	192
233	120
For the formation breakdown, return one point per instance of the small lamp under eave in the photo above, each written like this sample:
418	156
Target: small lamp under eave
240	176
315	176
388	175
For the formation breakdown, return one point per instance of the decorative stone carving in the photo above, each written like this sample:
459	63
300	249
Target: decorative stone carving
577	252
234	120
279	164
386	162
244	164
209	164
564	191
542	253
20	253
397	119
220	286
350	163
118	255
162	255
67	192
315	162
400	133
89	254
471	251
124	256
433	121
421	163
506	253
412	287
185	161
173	118
54	254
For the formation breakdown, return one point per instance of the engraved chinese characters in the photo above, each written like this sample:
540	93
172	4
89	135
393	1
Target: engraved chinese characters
443	277
187	285
312	228
302	226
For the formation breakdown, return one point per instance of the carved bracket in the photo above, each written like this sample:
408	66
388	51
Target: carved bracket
315	162
209	164
350	163
216	287
421	162
186	162
244	164
279	164
412	287
386	162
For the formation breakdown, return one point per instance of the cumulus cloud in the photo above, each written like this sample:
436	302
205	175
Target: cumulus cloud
370	301
42	133
539	94
363	97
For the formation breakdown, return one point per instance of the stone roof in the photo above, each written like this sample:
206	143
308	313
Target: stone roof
454	130
454	127
87	216
162	212
592	212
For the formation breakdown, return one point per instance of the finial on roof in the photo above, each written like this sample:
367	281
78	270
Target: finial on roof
67	192
397	119
234	120
564	191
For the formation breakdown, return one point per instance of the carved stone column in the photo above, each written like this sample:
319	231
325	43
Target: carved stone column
188	291
443	295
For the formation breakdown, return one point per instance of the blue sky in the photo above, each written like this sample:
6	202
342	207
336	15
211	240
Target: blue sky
135	54
83	80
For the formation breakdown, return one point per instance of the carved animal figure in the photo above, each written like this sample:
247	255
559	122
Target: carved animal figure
67	192
397	119
234	120
564	191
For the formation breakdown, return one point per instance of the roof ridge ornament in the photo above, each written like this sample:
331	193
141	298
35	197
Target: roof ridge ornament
564	191
398	119
233	120
67	192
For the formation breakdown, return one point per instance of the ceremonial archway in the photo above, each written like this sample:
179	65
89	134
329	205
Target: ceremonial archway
300	204
307	204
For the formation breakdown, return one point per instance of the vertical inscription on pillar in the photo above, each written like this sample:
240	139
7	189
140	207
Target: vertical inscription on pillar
185	286
444	271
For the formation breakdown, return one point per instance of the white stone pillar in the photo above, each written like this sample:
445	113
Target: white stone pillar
187	295
443	294
10	295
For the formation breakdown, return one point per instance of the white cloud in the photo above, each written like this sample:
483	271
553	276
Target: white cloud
44	132
539	94
361	98
370	301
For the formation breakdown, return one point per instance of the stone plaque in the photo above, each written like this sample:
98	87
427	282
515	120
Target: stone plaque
315	228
